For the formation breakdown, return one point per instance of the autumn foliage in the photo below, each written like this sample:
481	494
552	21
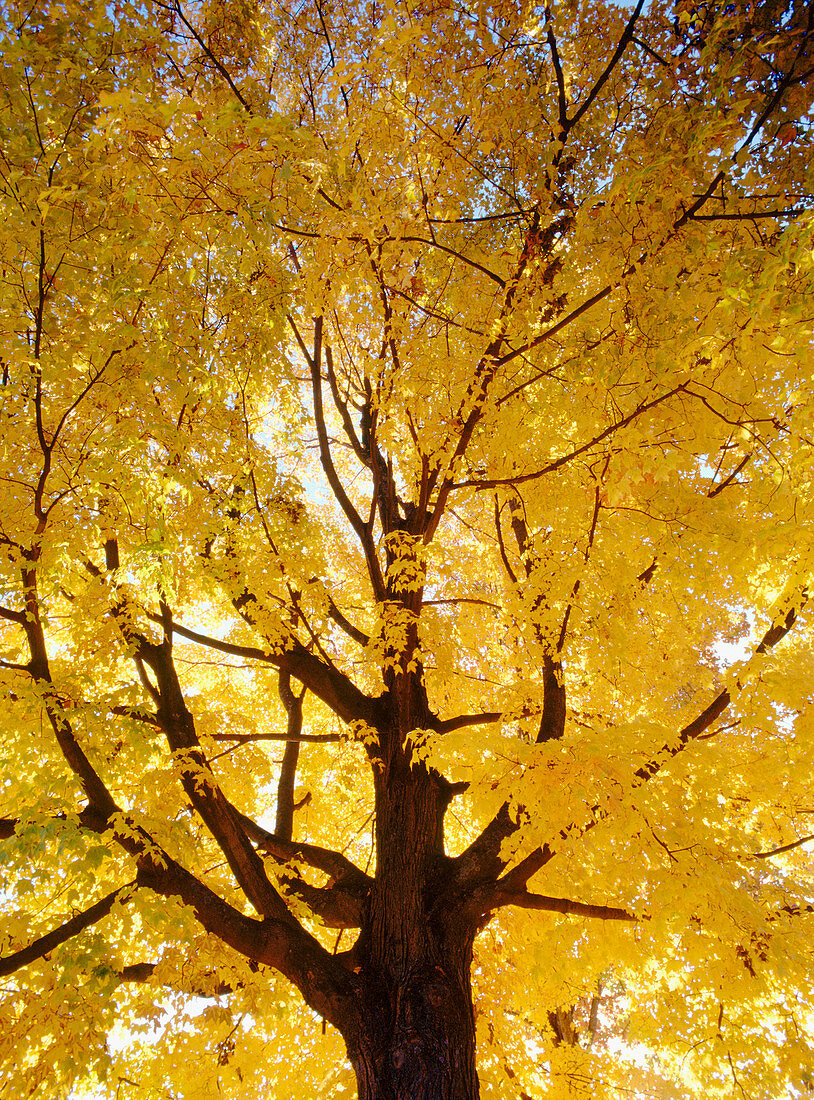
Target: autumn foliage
406	530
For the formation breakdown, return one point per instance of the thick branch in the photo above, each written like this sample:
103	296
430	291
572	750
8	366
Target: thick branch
341	620
283	944
552	718
336	865
89	818
284	825
12	616
447	725
197	778
324	983
481	862
338	905
202	788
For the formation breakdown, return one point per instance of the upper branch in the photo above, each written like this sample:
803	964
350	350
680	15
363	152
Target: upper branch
328	684
38	668
562	101
221	69
518	479
472	407
627	37
362	529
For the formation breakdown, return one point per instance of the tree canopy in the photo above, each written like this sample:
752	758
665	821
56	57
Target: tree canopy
406	530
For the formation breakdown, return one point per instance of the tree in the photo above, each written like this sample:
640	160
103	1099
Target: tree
406	531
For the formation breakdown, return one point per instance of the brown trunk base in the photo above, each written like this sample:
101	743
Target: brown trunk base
419	1042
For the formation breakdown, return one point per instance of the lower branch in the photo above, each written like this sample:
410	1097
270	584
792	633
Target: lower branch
338	905
45	944
482	858
325	984
284	824
206	985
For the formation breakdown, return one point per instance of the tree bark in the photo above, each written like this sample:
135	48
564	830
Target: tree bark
417	1038
414	1036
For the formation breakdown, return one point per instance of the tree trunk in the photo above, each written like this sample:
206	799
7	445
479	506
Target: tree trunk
414	1034
417	1039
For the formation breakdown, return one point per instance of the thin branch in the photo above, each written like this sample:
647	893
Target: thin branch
45	944
785	848
482	378
526	900
519	479
219	66
713	492
651	52
589	546
686	216
627	36
743	216
328	684
462	599
342	409
301	738
91	782
355	520
503	555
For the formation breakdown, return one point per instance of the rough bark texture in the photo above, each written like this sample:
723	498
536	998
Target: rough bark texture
416	1025
415	1032
418	1034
